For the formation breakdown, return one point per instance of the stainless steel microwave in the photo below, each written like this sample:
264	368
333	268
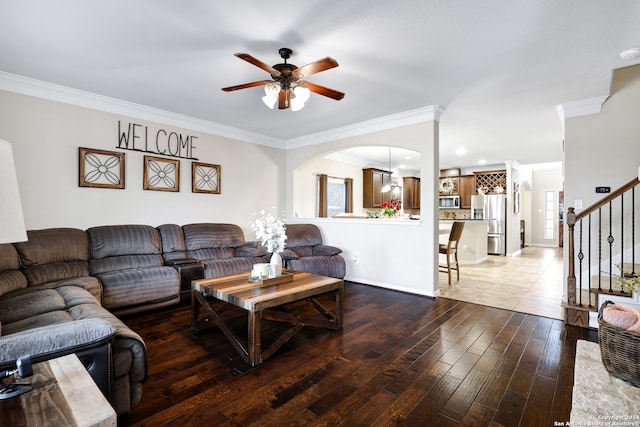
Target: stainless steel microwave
449	202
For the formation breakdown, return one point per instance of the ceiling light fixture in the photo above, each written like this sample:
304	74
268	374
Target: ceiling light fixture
286	89
389	186
630	54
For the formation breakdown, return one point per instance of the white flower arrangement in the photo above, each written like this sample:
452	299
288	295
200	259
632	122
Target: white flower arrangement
271	231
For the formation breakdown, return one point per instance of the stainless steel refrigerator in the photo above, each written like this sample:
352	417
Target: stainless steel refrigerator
493	209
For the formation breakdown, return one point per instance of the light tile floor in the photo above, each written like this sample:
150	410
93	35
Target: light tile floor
529	283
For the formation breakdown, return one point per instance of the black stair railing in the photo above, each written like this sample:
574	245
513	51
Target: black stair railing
616	213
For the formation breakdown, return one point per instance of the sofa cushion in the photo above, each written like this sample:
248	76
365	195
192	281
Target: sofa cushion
11	278
212	253
248	252
23	306
302	251
209	235
173	246
53	245
332	266
303	235
288	254
326	250
222	267
124	262
54	254
115	240
138	286
9	258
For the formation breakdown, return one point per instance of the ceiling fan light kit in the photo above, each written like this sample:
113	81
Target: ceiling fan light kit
286	89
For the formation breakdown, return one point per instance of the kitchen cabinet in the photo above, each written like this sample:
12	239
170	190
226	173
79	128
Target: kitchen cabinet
411	192
372	182
466	190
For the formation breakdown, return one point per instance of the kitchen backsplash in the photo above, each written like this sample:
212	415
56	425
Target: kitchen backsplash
455	213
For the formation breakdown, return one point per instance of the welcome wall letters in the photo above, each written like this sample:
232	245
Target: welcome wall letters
135	137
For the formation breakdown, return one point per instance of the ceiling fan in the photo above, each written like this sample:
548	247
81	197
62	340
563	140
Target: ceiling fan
285	86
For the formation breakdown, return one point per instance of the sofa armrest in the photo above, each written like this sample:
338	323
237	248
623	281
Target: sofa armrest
326	250
50	340
288	254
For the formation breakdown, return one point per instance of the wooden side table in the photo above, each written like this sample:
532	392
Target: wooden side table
64	394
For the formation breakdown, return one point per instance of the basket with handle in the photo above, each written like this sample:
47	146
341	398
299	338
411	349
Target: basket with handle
619	349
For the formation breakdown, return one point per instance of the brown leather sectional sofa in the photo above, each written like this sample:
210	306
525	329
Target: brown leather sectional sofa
60	291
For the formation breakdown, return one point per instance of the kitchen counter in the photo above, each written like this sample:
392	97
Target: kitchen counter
473	243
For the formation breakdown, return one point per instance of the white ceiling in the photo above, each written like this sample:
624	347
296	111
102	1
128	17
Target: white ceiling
498	67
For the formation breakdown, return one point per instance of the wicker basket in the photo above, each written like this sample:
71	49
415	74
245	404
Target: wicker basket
620	350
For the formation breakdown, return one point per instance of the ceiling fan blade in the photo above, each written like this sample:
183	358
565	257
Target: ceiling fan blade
284	98
315	67
250	59
245	85
322	90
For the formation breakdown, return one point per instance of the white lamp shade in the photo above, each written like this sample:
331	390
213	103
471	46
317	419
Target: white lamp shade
296	104
271	91
269	101
12	227
302	93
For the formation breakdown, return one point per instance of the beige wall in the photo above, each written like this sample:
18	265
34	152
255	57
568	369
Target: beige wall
45	136
604	149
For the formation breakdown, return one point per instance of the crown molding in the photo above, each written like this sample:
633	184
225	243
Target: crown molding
581	108
53	92
419	115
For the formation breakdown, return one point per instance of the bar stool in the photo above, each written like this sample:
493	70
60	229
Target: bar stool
451	248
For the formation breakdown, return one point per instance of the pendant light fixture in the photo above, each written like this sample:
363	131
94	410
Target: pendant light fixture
391	187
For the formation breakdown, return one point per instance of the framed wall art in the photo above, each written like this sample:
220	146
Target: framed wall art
161	174
100	168
205	178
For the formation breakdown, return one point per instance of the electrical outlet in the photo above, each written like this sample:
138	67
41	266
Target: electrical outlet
355	259
464	248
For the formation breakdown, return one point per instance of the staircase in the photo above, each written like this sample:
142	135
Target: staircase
601	238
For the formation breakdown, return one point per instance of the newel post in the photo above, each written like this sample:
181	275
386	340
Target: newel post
571	278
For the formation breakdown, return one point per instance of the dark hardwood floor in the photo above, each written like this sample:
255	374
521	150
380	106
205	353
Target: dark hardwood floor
400	359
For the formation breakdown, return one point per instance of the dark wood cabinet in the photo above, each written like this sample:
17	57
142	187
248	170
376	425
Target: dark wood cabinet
372	182
411	192
466	190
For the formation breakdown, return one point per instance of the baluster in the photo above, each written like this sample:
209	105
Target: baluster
633	230
580	258
589	261
599	249
621	240
610	240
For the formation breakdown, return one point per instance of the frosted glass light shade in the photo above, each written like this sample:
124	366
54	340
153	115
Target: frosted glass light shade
12	227
271	91
302	93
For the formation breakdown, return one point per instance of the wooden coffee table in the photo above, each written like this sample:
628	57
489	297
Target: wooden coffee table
260	301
